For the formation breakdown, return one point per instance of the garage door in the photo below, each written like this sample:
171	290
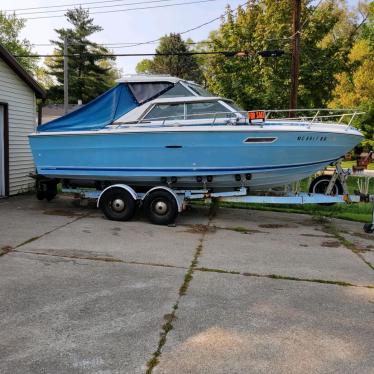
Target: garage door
2	168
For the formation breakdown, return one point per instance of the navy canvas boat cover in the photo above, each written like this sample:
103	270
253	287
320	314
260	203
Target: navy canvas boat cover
98	113
108	107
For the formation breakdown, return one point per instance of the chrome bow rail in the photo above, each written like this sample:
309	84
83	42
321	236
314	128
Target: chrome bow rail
343	116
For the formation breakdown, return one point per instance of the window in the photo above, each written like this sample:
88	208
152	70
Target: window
161	112
199	90
207	110
146	91
177	91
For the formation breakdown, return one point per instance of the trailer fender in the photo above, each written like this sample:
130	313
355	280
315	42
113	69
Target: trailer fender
178	199
123	186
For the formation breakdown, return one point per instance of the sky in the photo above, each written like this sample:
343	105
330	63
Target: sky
124	27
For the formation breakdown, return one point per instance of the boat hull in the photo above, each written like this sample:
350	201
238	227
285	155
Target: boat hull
265	157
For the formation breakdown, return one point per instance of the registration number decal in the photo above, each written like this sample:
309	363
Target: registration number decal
312	138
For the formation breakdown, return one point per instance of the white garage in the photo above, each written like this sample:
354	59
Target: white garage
18	94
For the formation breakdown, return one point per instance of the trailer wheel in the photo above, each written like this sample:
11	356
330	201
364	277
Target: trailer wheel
117	204
160	207
369	228
46	190
51	191
40	195
320	184
49	195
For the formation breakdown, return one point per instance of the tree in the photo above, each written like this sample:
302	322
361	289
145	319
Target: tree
355	87
10	28
257	82
144	66
41	75
90	74
182	66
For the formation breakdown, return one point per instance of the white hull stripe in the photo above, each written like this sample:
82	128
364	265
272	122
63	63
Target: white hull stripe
224	169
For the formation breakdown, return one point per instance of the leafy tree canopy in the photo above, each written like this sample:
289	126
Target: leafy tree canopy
10	28
90	74
144	66
355	87
185	67
257	82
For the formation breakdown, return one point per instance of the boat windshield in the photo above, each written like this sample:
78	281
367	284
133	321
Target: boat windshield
179	90
186	89
188	111
161	112
199	90
206	110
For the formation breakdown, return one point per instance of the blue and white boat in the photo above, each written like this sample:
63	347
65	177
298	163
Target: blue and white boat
152	130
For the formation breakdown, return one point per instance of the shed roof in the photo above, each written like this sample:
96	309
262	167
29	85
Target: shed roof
21	72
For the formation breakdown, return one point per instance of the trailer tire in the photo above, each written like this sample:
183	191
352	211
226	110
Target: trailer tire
117	204
46	190
320	184
160	207
50	195
40	195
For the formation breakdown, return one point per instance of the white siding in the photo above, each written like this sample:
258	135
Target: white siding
22	121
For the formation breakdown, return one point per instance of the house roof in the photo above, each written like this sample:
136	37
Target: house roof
22	73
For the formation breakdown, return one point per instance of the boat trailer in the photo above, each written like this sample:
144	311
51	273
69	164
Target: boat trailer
163	203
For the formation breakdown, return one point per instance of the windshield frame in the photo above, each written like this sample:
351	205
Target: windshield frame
214	115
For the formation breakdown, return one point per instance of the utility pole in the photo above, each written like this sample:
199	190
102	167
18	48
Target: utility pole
66	76
295	64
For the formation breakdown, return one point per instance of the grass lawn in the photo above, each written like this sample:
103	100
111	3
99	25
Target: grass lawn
349	165
355	212
360	212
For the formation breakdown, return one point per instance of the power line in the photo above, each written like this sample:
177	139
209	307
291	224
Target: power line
129	9
306	20
241	53
196	27
131	44
285	39
185	31
120	44
181	33
63	5
94	7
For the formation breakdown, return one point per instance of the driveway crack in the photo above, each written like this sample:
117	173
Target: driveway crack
284	277
9	249
99	259
170	318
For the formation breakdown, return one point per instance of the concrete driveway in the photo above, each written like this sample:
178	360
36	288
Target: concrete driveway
224	291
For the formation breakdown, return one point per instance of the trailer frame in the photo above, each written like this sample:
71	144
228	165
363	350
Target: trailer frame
178	199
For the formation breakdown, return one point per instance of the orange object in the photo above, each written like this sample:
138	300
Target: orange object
256	115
